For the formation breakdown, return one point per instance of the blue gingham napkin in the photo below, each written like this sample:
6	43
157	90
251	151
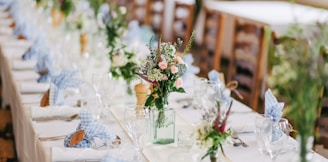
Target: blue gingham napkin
45	62
272	106
189	60
213	75
92	130
5	3
24	29
66	79
274	109
39	46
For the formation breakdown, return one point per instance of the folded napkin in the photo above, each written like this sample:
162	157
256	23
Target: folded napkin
33	87
92	130
25	75
53	111
23	65
39	46
272	106
221	92
189	60
76	154
31	99
26	30
274	109
45	66
66	79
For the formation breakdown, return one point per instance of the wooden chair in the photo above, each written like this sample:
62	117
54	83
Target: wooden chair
155	15
246	61
139	10
127	4
183	22
212	41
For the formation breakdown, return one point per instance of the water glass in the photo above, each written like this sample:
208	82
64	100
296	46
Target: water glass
186	138
199	92
263	131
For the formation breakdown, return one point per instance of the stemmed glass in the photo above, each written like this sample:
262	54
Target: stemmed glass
104	87
136	123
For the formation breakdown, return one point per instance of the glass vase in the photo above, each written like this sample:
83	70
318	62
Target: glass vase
162	126
304	150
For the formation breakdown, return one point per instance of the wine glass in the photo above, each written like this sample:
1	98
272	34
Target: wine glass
136	122
104	86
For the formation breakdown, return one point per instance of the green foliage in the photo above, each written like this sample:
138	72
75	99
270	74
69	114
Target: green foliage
299	75
115	28
66	6
217	139
190	43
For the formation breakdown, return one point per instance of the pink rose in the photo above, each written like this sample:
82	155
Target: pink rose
179	59
162	65
178	83
174	69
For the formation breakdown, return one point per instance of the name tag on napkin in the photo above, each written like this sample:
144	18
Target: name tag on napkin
76	138
45	99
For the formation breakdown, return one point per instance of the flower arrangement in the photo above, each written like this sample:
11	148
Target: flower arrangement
123	62
212	134
298	76
163	69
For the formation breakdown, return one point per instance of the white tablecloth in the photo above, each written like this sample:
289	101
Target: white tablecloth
31	149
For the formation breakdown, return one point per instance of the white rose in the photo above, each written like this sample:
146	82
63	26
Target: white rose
119	60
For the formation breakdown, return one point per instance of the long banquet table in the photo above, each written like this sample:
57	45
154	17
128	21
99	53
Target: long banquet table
27	132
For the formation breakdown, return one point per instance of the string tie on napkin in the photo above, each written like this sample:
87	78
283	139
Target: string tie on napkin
92	130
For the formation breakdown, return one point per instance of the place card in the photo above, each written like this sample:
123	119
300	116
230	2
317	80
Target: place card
45	99
76	137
